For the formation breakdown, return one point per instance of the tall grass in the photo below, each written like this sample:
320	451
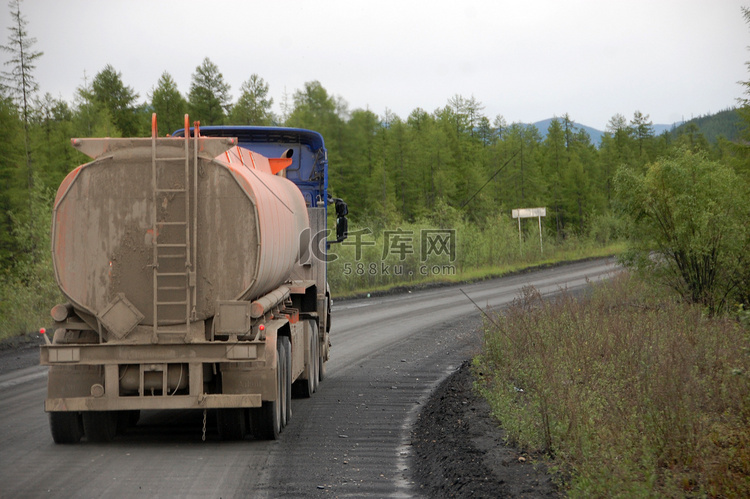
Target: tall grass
630	393
377	258
28	290
26	299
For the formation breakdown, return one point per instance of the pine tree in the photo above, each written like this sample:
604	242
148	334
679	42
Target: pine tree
643	131
109	92
617	149
13	194
358	160
315	109
51	134
20	81
91	118
168	104
254	106
555	166
209	98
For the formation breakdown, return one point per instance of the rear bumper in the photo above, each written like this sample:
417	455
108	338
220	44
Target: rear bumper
107	377
212	401
106	353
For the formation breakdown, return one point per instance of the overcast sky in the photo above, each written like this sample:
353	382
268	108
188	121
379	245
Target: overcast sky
527	60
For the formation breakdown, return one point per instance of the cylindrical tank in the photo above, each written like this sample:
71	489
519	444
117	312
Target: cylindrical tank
245	243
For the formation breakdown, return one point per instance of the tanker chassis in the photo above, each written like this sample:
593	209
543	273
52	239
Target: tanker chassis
194	269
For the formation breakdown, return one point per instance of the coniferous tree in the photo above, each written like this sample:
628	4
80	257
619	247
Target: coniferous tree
168	104
315	109
522	177
14	194
744	110
616	150
109	92
53	128
690	136
254	106
555	164
585	200
358	160
91	118
20	82
209	99
423	131
643	132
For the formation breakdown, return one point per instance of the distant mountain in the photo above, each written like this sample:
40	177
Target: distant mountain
596	135
660	129
727	123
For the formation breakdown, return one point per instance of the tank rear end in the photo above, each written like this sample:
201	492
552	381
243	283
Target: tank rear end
238	240
177	257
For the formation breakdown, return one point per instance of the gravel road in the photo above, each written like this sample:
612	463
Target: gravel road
355	437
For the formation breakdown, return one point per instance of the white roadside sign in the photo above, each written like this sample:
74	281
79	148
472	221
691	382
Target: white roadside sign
530	213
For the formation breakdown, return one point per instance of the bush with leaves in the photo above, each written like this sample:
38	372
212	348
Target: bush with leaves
687	224
28	290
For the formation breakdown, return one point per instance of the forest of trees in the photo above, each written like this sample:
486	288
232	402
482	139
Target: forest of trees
436	165
452	160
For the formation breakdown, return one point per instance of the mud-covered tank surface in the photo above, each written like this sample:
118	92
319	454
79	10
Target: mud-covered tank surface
248	223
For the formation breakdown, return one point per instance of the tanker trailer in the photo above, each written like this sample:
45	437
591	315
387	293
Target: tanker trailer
191	281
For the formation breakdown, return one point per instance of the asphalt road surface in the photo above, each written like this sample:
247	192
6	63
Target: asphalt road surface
351	439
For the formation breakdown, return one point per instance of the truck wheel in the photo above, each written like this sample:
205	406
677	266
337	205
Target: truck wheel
315	356
231	423
266	420
287	407
65	427
126	420
321	366
306	387
100	426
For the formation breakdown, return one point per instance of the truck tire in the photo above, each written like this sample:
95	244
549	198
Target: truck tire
287	407
315	355
127	420
231	423
305	387
66	427
321	366
100	426
266	420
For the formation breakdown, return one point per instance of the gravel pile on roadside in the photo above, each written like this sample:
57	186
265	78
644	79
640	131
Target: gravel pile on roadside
459	451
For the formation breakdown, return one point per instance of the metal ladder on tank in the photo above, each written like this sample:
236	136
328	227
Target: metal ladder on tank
173	268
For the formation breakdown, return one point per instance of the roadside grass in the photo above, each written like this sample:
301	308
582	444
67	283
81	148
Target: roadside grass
477	274
26	299
375	261
628	391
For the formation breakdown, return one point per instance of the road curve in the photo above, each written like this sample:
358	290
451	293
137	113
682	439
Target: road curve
351	439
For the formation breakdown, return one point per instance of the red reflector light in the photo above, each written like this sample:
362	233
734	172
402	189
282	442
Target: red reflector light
261	327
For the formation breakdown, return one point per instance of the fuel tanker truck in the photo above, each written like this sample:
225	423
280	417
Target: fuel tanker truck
194	269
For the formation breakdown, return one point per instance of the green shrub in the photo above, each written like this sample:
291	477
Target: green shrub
631	392
688	227
28	290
